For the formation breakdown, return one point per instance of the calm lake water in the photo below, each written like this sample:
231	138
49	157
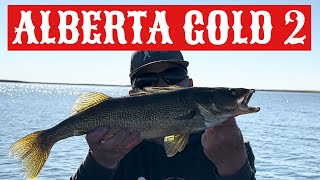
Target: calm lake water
285	134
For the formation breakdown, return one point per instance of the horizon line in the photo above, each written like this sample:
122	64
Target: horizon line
117	85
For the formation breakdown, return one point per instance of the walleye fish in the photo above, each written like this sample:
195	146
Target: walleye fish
169	112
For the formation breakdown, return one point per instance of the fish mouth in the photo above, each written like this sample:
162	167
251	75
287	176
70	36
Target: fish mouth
244	101
248	96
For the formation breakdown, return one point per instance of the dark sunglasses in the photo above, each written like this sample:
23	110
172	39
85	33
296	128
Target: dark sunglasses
170	76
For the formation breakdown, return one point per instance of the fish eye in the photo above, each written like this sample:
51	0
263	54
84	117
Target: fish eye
233	92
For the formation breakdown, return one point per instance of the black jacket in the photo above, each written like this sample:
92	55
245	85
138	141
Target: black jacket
148	161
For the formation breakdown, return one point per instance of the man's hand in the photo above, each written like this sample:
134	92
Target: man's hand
224	146
108	146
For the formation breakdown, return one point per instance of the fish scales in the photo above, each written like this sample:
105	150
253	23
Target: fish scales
170	113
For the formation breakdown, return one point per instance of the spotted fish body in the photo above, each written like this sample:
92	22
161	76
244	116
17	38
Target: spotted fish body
155	112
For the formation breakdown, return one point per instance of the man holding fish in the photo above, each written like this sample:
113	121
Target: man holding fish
217	153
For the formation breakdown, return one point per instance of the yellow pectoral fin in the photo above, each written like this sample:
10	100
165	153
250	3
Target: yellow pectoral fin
175	143
87	100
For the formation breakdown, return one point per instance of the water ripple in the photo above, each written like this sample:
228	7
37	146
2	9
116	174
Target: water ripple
284	136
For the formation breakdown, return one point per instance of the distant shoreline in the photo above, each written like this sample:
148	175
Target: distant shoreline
83	84
53	83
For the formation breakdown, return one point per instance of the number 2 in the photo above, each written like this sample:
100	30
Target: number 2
300	19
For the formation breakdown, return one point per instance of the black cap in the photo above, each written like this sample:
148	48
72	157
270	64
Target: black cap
141	59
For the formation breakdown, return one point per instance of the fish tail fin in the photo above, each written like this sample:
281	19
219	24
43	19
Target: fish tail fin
33	151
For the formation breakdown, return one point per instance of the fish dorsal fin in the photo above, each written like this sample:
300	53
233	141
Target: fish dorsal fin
87	100
140	93
162	89
175	143
154	90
